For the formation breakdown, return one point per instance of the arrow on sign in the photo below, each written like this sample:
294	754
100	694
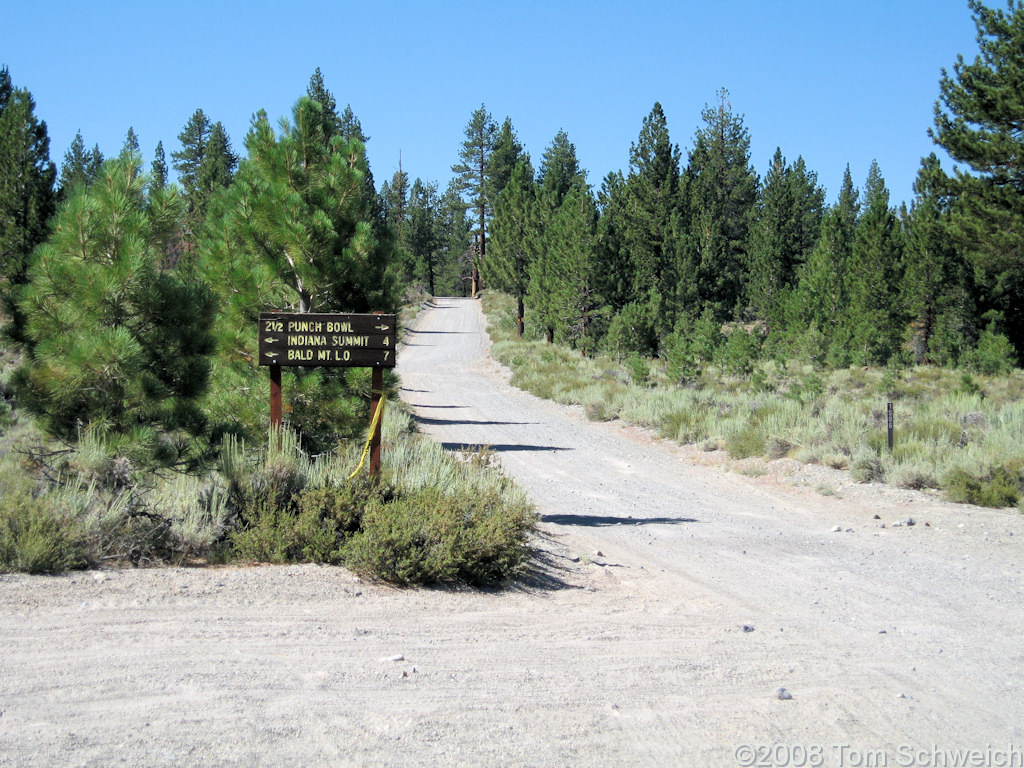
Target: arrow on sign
270	341
382	327
271	355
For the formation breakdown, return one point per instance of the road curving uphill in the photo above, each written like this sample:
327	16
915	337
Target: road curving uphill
676	614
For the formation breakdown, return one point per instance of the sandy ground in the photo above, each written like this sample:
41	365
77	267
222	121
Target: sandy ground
672	596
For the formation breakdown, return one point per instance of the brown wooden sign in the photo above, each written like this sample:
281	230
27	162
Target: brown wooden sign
335	340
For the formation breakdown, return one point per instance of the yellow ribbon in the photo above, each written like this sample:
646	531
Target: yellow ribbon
374	422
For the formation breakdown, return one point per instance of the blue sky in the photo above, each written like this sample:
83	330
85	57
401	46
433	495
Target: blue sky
836	82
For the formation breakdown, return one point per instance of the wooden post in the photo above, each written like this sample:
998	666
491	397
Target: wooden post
376	395
275	402
377	392
889	423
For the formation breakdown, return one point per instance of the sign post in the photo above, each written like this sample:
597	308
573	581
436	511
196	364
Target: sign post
328	340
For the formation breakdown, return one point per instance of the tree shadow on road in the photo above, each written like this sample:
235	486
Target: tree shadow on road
444	333
438	422
499	448
599	520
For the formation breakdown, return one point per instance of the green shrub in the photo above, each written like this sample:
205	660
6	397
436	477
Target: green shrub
993	354
442	519
810	388
777	447
431	536
746	441
36	538
633	329
686	425
999	488
639	370
682	366
739	353
867	468
308	526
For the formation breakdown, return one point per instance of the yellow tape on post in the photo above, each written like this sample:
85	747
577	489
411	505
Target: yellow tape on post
374	425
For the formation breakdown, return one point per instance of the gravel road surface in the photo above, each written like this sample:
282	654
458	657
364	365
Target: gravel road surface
671	598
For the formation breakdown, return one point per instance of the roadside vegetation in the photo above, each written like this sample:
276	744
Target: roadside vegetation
134	419
957	431
431	517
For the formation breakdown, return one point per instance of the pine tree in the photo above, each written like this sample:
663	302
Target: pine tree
560	173
187	161
217	168
721	190
613	271
455	254
515	236
936	289
116	346
294	232
26	181
204	164
651	203
423	232
131	144
563	285
472	175
817	308
317	91
786	225
80	167
872	315
395	201
506	153
978	121
572	235
559	170
350	127
158	169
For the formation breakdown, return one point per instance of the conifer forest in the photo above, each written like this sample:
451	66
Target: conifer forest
131	284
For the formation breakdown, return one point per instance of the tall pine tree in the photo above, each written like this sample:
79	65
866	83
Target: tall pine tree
873	314
720	192
158	168
116	345
650	203
205	163
515	236
614	273
26	180
506	153
80	166
786	225
813	327
472	173
422	234
563	284
978	121
936	289
455	256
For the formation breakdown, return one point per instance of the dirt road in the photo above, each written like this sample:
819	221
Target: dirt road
671	600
